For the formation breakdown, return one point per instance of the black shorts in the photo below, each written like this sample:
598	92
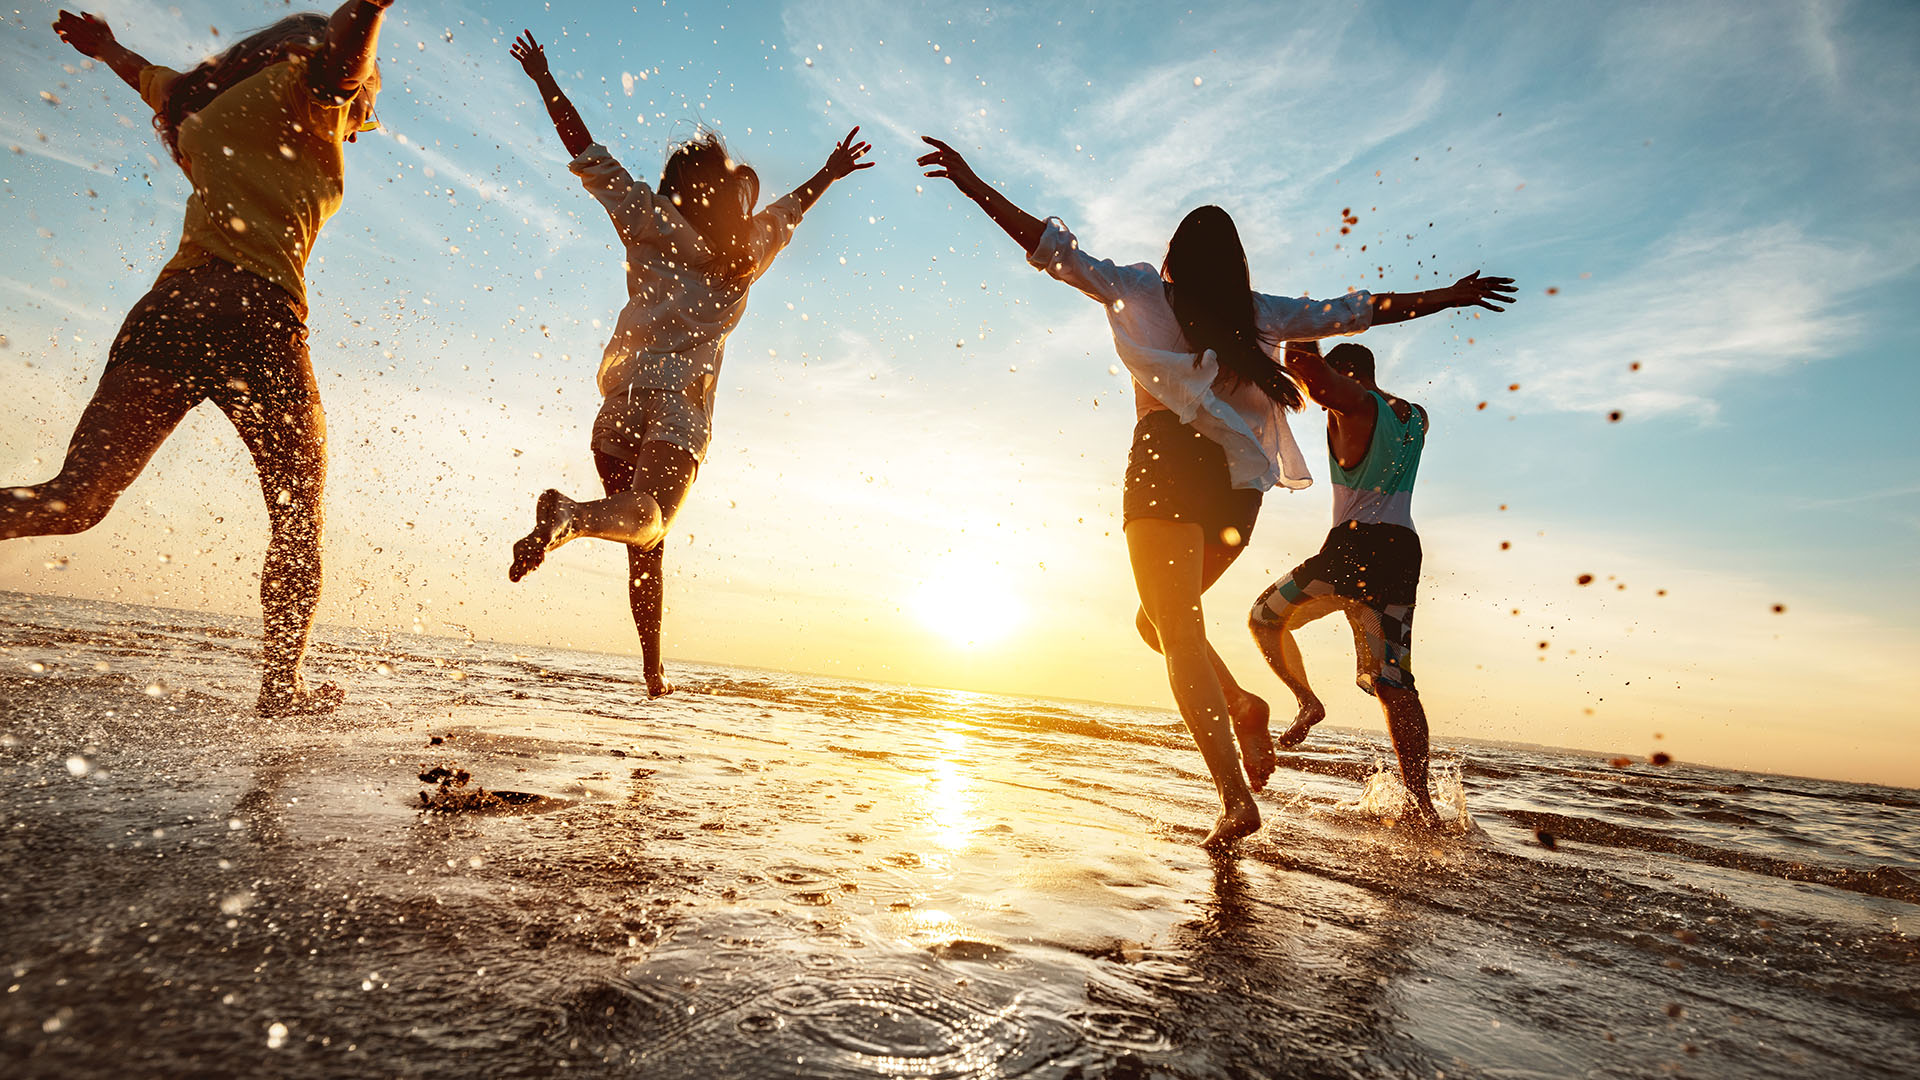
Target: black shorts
227	334
1174	473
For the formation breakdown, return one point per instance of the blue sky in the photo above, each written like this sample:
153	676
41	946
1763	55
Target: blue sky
1723	194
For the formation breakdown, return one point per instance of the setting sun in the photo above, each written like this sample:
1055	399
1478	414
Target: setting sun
970	602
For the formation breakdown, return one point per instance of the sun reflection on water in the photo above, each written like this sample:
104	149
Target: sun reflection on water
950	798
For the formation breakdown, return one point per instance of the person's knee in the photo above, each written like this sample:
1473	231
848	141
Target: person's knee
1179	629
1263	621
62	510
1394	697
1145	626
295	521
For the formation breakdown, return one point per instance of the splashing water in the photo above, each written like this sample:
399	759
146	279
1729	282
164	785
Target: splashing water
1446	781
1383	795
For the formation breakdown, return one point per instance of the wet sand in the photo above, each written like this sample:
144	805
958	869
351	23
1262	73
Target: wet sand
791	878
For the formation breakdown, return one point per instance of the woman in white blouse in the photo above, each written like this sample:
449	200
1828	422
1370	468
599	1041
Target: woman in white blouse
1211	437
691	251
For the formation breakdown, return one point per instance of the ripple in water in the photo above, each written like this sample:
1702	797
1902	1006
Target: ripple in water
780	1017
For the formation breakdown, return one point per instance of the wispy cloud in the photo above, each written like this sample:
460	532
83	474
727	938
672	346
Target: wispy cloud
532	209
1898	491
33	140
1706	307
66	305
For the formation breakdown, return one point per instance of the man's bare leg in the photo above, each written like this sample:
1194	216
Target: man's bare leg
1275	638
1407	726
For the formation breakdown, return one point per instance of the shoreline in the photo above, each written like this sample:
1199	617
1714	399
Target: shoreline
1641	762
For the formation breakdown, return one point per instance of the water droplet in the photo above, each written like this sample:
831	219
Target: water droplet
79	766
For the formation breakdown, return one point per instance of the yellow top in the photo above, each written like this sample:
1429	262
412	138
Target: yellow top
264	159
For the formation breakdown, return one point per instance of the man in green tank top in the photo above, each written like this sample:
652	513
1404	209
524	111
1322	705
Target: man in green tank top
1370	564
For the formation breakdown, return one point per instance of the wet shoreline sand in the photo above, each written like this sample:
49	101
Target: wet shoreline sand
789	876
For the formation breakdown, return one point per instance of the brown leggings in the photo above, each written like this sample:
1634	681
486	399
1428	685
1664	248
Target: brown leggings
215	333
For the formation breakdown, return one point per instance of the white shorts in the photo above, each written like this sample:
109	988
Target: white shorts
632	416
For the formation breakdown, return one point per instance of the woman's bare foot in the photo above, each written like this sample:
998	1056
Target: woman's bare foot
1250	715
295	699
658	686
1311	713
552	526
1233	823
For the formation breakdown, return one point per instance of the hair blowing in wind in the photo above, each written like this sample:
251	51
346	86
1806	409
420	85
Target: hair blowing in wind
1211	294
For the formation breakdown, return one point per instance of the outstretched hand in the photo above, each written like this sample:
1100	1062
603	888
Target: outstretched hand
532	57
845	159
89	34
1476	291
946	162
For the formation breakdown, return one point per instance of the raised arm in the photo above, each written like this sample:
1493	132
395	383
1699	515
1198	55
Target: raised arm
946	162
843	162
566	118
1470	291
1328	388
345	59
91	36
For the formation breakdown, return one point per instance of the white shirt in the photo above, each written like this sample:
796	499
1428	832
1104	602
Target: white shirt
1249	425
673	331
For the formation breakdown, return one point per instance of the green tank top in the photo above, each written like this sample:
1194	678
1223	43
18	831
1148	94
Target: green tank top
1380	489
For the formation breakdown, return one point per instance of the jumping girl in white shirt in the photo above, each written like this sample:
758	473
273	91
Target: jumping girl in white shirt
692	250
1212	436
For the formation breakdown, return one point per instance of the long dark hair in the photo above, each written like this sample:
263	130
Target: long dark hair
295	35
716	194
1212	297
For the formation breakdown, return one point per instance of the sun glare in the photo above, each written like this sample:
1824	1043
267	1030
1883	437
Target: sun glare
970	602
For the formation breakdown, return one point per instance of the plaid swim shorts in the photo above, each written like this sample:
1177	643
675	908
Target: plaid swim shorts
1369	572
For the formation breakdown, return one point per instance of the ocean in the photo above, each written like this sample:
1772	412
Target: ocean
504	860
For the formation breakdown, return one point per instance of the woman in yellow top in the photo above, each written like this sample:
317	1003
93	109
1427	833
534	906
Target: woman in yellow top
258	131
